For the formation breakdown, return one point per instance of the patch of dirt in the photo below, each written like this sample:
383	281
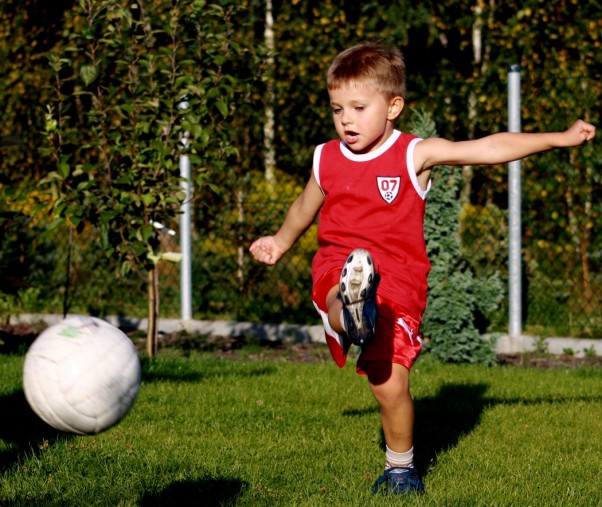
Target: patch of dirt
549	361
230	347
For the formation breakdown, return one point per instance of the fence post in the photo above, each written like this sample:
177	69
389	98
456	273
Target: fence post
514	209
185	227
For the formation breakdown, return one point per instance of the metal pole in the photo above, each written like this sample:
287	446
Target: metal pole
514	208
185	241
185	227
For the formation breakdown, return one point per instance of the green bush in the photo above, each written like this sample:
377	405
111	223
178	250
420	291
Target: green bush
458	300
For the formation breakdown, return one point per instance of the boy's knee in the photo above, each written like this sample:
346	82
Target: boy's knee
389	383
387	374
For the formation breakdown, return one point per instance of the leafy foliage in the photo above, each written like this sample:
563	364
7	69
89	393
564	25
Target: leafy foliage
117	123
134	87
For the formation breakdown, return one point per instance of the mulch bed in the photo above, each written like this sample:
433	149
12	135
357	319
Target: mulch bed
548	361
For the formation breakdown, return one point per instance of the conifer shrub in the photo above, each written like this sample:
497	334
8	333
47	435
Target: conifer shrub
459	301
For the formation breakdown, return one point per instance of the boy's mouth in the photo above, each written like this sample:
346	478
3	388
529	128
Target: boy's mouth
351	137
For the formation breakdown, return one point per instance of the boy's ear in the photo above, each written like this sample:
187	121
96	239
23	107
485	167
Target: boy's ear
395	108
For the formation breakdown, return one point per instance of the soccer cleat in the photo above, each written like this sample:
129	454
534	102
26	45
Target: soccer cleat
357	289
400	480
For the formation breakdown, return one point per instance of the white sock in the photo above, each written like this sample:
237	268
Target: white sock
399	459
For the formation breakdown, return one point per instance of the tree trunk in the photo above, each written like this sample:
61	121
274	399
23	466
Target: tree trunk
152	340
240	273
480	66
586	232
268	126
581	233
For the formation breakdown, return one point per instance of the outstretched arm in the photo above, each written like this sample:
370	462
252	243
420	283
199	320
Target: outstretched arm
497	148
300	216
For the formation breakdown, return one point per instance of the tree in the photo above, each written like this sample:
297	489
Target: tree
115	126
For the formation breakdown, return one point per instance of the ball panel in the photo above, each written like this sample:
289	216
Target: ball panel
41	395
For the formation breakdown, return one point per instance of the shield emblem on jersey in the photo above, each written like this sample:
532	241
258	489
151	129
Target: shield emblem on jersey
388	186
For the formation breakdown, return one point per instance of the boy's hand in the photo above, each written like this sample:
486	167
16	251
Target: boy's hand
266	250
579	133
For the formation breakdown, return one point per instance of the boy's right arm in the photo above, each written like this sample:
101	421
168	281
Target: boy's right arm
300	216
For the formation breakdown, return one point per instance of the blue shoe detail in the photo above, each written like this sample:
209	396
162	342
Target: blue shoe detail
400	480
357	289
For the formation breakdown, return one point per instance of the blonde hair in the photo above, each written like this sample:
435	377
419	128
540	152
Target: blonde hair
370	63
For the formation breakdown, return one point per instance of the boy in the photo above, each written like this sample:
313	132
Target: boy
370	188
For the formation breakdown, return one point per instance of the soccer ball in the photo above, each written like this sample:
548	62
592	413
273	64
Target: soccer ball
82	375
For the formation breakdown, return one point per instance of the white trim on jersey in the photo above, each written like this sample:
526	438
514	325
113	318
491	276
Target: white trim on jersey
316	166
371	155
412	170
363	157
327	327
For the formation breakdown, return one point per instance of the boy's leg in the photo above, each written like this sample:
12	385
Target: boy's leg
335	307
348	309
355	291
390	385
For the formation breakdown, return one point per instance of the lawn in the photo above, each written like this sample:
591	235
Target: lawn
262	427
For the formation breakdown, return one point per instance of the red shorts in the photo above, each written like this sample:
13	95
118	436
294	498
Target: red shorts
397	338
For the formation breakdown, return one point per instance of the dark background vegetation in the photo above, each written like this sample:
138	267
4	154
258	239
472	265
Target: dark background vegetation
91	131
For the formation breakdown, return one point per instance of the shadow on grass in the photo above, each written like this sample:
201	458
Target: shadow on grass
23	429
456	410
180	370
205	492
443	419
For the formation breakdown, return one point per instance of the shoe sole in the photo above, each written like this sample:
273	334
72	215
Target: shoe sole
354	284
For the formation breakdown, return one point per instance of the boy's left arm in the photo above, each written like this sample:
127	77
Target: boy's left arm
497	148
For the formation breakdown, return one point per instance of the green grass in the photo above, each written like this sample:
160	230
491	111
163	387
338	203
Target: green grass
262	430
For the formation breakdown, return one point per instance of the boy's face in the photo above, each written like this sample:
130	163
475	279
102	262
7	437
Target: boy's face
363	117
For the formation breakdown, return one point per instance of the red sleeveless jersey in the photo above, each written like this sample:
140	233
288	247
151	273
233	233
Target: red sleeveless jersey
374	201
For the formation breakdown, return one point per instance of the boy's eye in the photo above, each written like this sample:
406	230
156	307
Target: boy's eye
337	110
359	108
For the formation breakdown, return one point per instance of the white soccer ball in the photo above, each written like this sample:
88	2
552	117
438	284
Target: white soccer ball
82	375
